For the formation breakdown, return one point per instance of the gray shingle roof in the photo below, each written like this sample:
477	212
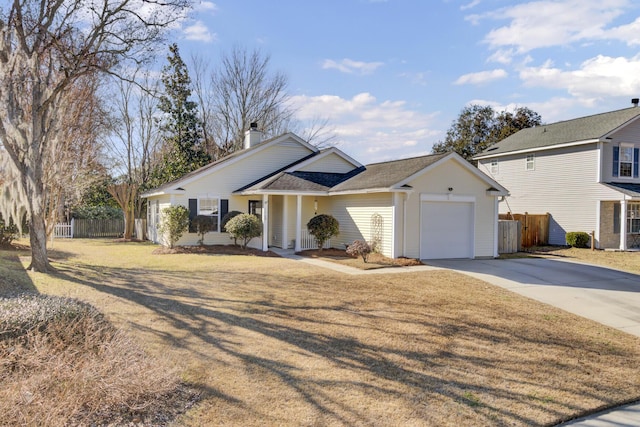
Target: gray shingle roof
575	130
632	190
387	174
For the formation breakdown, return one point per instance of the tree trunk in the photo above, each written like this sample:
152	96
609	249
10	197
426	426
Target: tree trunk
38	240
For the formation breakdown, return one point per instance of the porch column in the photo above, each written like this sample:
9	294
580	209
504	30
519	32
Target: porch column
623	225
265	222
496	218
285	221
298	222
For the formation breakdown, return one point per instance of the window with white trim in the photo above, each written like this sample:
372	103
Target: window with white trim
626	160
209	207
494	166
531	162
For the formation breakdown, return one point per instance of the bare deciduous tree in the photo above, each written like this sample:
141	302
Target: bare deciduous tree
45	47
133	146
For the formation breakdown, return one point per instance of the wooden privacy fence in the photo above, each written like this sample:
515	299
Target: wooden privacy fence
89	228
509	236
534	228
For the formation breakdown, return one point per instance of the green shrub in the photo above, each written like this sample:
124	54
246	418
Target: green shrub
203	224
578	239
175	222
323	227
226	218
244	226
97	212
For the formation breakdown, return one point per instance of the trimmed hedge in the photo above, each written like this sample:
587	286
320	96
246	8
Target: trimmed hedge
578	239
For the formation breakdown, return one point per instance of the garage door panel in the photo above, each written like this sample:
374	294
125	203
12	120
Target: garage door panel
446	230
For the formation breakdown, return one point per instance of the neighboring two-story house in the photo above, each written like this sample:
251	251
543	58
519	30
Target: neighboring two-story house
584	172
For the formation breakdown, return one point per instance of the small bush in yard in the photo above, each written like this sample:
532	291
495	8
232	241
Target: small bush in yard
175	222
244	226
578	239
323	227
8	232
203	225
361	248
225	220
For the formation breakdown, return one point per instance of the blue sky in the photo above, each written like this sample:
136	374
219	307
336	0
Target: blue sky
392	75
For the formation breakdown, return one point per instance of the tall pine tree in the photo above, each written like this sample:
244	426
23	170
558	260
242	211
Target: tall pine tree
182	129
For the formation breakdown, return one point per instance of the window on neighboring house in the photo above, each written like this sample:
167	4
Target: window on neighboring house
633	218
531	162
494	166
625	161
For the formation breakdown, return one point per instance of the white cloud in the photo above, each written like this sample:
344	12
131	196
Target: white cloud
470	5
629	33
198	31
481	77
370	130
350	66
597	77
206	6
546	23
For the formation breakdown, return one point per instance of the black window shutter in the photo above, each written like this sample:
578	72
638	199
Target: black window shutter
616	160
193	212
635	162
616	218
224	209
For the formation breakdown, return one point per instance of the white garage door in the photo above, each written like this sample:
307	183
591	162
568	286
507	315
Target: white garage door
446	230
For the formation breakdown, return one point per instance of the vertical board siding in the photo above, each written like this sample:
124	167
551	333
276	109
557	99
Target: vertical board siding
564	184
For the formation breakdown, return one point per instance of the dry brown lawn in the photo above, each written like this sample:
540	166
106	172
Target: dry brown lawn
272	341
626	261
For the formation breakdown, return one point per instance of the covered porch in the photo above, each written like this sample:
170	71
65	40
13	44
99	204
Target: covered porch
285	217
620	219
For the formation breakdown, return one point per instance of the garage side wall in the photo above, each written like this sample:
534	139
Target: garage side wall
463	184
364	217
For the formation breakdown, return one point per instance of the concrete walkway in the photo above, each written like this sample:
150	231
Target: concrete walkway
607	296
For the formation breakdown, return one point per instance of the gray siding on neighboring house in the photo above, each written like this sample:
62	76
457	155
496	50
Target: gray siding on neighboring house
563	183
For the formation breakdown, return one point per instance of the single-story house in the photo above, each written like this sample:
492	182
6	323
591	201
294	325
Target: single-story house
434	206
584	172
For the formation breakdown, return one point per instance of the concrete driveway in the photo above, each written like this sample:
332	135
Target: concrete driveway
610	297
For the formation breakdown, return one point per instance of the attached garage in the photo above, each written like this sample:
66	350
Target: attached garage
447	228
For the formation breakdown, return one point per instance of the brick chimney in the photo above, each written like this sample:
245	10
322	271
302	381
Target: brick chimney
253	136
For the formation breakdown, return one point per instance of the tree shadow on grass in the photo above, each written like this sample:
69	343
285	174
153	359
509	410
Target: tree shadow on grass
248	305
14	279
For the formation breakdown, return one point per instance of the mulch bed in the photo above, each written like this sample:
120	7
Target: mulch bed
214	250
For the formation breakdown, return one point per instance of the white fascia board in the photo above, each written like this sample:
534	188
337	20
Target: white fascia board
332	150
533	150
282	193
162	193
371	190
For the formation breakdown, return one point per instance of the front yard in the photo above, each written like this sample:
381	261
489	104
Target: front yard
271	341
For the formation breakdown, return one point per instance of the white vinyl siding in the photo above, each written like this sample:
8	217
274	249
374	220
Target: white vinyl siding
564	184
331	163
463	184
361	217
